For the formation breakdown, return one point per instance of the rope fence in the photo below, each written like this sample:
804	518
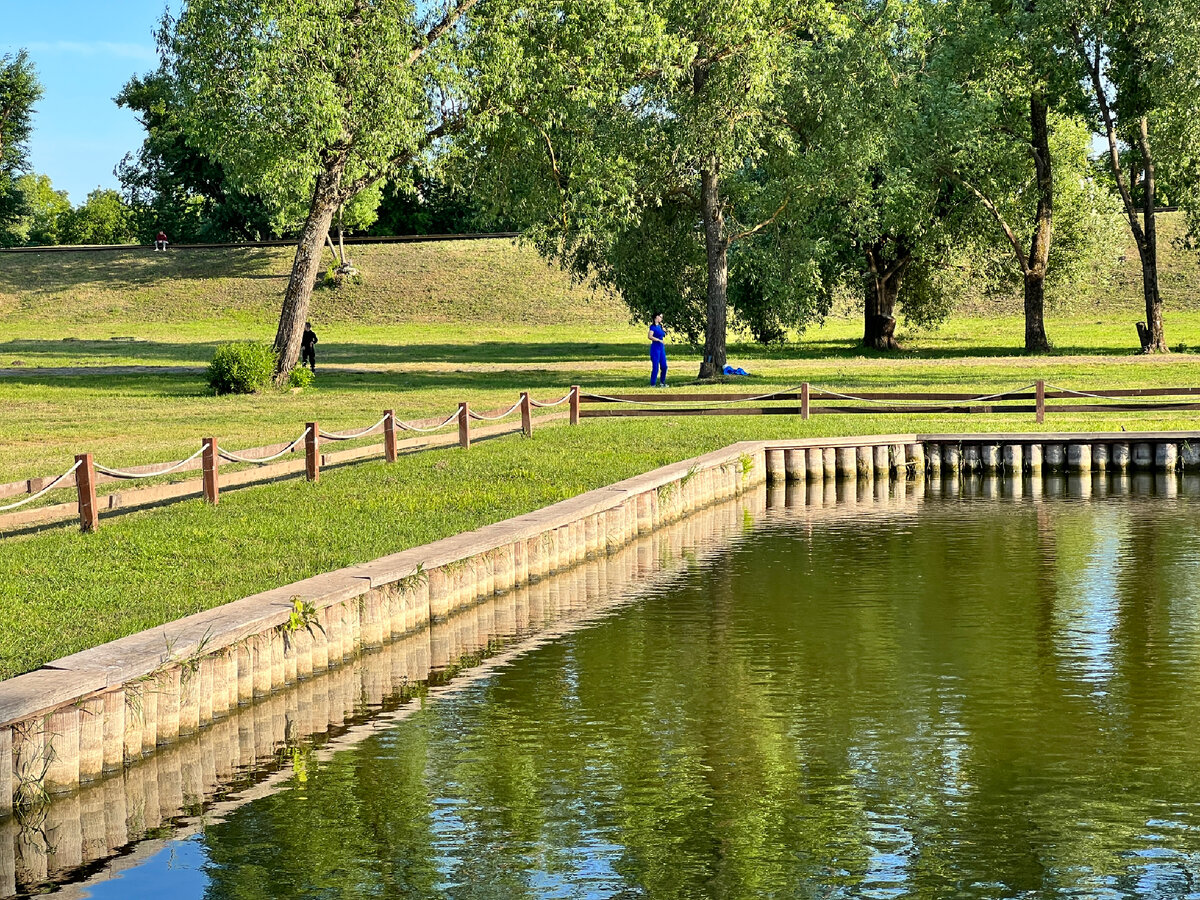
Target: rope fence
809	396
84	473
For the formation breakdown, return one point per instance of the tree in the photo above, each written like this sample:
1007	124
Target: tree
876	204
314	102
1010	141
1138	63
662	158
174	186
19	91
104	218
43	212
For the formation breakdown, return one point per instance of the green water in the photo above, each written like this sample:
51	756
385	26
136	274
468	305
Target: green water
976	698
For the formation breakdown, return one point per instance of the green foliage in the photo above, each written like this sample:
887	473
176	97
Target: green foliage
43	212
301	377
104	218
19	91
241	368
174	186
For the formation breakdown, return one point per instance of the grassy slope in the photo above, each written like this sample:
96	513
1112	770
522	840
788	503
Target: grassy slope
432	324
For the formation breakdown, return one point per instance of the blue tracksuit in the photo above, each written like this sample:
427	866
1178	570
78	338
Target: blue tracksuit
658	356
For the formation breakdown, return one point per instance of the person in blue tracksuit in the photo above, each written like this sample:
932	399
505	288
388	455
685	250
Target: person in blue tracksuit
658	352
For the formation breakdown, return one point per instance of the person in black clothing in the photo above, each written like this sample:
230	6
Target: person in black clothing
308	347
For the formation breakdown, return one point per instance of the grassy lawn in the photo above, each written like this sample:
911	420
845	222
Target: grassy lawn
431	325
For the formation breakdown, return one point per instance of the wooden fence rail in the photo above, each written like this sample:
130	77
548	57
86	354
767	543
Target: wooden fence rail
823	401
85	474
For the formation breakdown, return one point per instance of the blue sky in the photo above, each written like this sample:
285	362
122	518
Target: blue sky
84	50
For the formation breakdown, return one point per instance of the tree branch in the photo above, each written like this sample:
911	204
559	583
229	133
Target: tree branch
448	21
991	207
1092	64
766	223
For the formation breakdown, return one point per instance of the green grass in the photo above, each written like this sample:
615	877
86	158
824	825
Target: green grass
431	325
66	591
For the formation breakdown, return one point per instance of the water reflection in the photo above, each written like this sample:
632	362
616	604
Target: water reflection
954	688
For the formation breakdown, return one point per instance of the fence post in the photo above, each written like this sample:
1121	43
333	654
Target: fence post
211	486
574	404
85	484
804	401
312	453
389	435
526	414
1041	401
464	428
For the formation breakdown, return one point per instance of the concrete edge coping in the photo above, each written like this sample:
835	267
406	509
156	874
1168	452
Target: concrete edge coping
135	656
874	440
1062	437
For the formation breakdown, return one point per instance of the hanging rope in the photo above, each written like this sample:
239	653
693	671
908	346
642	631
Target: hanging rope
559	402
815	389
44	490
405	426
330	436
233	457
117	473
480	417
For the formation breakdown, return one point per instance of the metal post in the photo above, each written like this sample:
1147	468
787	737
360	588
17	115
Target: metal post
804	401
312	453
389	435
85	483
574	404
464	429
210	458
526	414
1041	401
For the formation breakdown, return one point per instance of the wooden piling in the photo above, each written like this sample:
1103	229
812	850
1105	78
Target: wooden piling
312	452
526	415
389	435
464	425
210	459
574	404
85	485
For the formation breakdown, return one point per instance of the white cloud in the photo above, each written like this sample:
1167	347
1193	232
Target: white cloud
140	52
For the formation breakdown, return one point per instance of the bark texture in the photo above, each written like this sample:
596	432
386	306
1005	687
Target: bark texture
1038	263
882	287
717	252
305	266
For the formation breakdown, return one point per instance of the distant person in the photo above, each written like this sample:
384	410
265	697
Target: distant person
658	352
308	347
160	241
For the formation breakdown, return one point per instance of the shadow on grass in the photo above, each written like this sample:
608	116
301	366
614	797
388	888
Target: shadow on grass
515	353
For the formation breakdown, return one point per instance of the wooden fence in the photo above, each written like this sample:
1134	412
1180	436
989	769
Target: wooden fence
86	473
806	400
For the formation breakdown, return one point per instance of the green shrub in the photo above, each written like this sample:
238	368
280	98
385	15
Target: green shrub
242	368
301	377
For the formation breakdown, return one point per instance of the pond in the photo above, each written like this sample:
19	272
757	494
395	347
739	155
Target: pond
981	695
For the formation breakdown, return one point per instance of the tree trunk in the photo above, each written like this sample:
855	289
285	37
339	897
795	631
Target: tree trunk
882	283
305	266
1039	251
1035	305
716	247
1154	340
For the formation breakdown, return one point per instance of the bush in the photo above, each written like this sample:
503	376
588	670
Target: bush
300	377
241	368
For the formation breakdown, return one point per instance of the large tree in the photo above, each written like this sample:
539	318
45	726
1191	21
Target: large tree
1008	138
661	168
1138	63
314	102
19	91
876	204
175	186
